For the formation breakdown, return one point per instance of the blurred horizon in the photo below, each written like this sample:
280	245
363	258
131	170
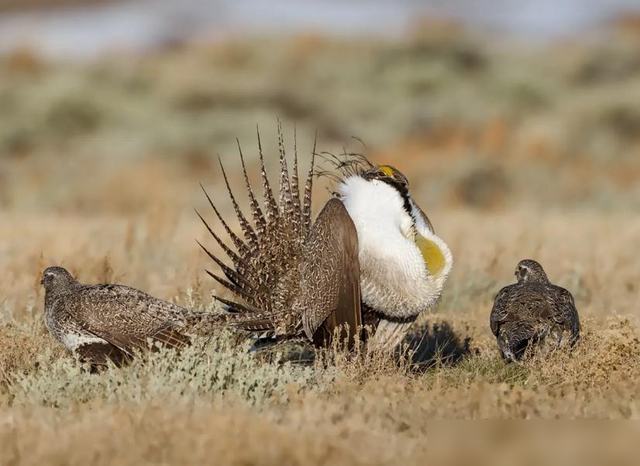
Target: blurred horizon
487	106
84	29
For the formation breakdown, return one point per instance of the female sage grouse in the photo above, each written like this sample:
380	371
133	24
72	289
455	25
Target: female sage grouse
371	256
533	312
109	322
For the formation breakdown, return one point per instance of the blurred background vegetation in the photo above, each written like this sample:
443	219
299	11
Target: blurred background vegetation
481	115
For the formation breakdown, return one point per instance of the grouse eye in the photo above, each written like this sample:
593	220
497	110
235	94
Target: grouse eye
387	171
46	277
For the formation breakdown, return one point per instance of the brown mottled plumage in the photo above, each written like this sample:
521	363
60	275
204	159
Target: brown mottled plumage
109	322
294	277
533	312
371	256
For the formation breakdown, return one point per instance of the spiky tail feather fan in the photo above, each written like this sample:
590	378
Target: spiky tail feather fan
259	274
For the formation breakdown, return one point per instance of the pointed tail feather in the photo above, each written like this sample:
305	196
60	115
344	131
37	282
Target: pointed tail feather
256	211
238	307
295	181
285	197
239	263
306	206
263	324
249	234
270	203
238	290
246	317
233	276
240	245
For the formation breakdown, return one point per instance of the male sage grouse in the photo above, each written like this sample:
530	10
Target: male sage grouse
533	312
109	322
371	256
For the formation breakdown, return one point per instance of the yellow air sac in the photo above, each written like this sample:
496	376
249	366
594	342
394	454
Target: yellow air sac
433	257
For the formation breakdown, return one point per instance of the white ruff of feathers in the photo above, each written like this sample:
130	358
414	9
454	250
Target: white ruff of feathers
393	275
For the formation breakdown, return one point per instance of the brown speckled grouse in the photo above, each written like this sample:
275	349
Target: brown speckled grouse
533	312
109	322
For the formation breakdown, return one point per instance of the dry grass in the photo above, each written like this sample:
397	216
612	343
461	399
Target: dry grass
533	162
458	372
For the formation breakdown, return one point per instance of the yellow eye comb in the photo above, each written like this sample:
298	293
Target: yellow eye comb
387	170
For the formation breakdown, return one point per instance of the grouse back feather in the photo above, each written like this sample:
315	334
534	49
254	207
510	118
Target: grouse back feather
292	277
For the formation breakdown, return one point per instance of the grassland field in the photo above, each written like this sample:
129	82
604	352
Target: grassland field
513	152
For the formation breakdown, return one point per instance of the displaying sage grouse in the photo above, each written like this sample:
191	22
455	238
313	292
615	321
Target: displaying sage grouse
109	322
533	312
371	256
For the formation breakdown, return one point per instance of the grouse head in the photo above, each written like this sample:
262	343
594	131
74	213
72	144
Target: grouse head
56	277
530	271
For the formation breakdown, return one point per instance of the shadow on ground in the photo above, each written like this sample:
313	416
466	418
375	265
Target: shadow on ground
437	344
427	346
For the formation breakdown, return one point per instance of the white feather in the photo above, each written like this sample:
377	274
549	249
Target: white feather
73	336
394	277
74	340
